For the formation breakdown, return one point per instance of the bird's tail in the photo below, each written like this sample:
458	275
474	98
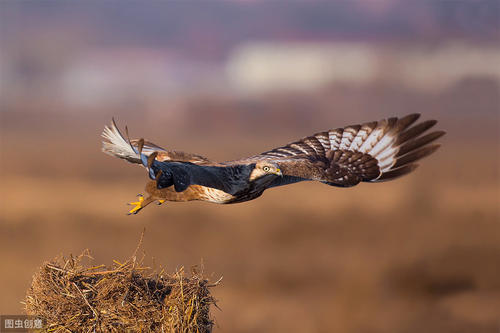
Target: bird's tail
115	144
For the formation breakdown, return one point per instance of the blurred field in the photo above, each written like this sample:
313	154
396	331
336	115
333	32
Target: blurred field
417	254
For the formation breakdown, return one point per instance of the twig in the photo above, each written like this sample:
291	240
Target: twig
86	301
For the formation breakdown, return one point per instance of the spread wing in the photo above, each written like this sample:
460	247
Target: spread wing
371	152
116	144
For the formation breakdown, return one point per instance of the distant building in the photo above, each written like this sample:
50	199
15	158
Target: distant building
258	67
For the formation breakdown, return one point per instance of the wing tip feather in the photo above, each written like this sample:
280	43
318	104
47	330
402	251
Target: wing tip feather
115	143
397	172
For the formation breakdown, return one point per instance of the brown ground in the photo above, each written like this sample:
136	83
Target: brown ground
420	254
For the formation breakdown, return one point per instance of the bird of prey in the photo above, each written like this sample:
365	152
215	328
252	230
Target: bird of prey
370	152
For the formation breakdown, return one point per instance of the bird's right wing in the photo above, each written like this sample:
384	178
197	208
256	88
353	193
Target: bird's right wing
173	168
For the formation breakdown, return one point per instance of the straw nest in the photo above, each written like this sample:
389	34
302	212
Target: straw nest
72	296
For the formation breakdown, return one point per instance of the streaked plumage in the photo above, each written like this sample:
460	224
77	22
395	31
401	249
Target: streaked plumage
371	152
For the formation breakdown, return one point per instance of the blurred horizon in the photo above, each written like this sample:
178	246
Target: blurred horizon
93	54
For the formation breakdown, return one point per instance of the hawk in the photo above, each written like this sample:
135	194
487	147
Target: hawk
343	157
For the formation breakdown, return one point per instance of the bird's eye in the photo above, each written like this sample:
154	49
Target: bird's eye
266	168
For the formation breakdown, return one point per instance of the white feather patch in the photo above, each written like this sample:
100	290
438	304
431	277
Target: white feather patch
386	141
386	164
387	153
116	144
335	137
372	140
360	138
347	137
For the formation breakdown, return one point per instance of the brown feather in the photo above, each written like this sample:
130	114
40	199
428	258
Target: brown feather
415	131
396	173
416	155
407	121
419	142
140	145
151	158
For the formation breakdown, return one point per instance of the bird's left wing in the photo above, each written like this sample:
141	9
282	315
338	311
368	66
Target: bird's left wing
370	152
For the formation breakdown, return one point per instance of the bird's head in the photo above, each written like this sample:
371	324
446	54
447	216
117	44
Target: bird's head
264	168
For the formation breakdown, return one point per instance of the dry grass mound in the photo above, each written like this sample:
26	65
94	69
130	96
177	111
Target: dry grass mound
71	295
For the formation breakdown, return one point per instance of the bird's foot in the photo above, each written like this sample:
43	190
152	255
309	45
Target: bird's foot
160	201
138	205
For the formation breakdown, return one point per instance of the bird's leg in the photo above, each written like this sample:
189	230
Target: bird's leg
139	204
160	201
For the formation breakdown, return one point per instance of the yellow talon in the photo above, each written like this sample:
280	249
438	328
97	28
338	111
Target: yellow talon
160	201
137	204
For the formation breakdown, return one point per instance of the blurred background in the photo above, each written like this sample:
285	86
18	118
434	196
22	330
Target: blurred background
232	79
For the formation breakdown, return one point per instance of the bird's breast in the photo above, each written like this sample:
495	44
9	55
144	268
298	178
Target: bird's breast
214	195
